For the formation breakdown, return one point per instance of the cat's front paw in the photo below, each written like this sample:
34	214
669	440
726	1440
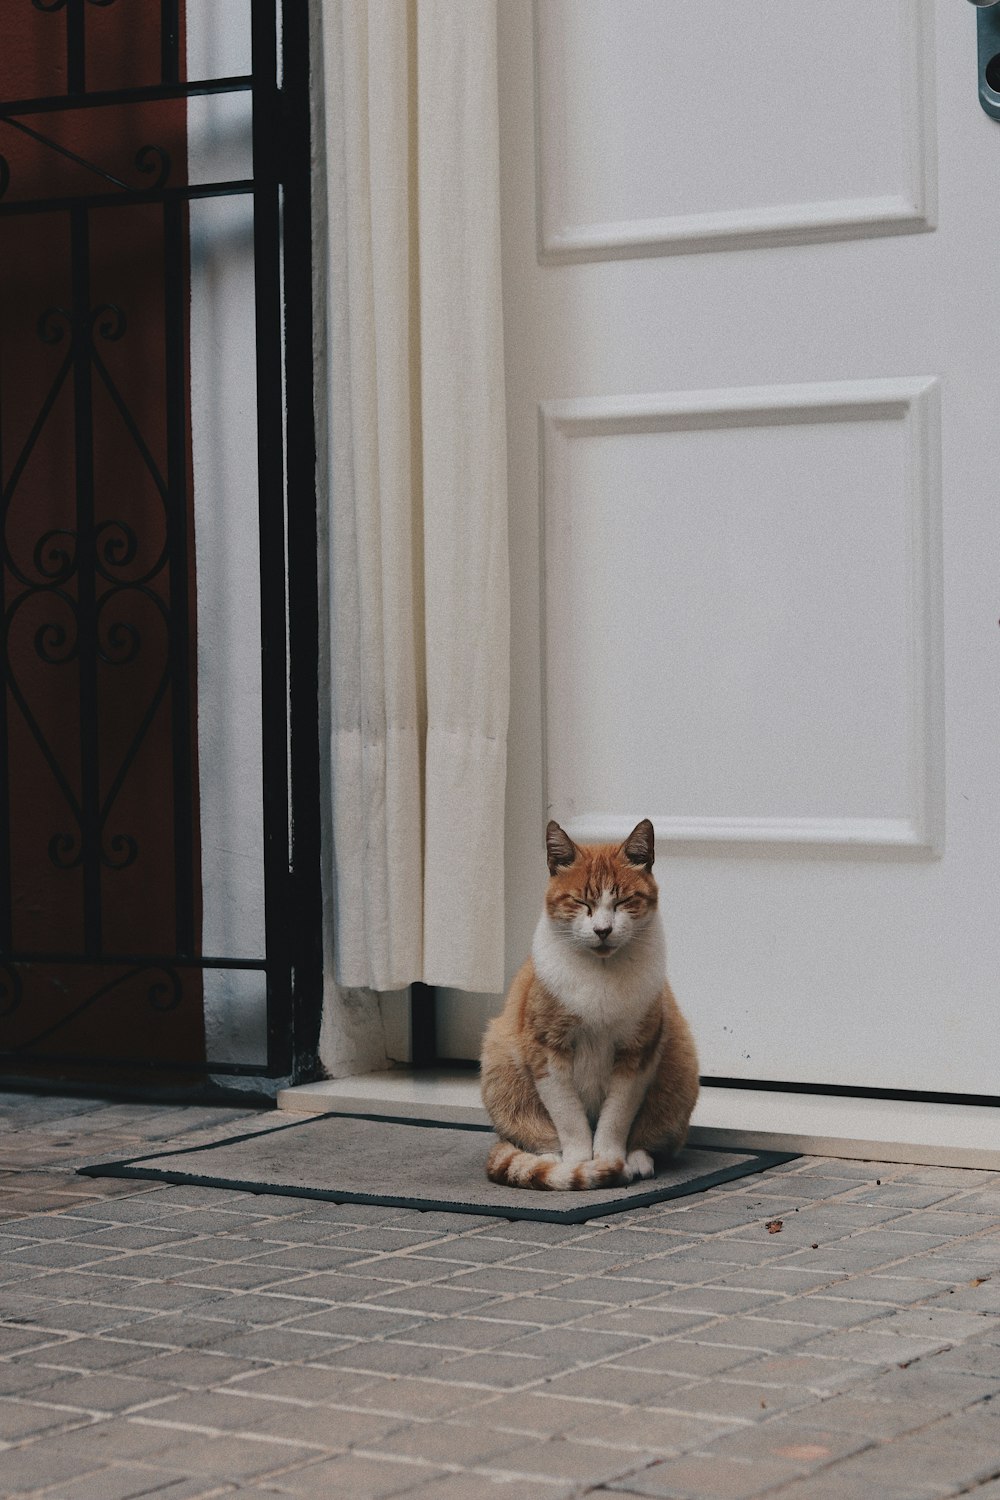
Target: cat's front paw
639	1165
611	1165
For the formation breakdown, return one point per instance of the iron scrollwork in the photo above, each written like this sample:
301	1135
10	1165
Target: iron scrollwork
108	551
160	984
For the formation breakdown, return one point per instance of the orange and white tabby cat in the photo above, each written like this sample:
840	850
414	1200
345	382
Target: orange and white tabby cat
590	1069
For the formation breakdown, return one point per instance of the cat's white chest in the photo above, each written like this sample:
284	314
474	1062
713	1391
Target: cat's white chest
593	1061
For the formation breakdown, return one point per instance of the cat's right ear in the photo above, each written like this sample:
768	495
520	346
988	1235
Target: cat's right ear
559	848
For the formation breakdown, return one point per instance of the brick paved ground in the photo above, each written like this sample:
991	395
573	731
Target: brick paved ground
182	1342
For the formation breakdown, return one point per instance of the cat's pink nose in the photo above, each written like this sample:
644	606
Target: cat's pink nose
602	932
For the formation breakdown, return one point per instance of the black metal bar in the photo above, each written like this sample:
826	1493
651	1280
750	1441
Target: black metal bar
76	48
154	960
102	98
140	1064
184	810
185	193
848	1091
271	524
170	41
423	1026
303	584
83	418
73	156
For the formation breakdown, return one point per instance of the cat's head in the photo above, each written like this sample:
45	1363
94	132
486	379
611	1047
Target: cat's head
600	896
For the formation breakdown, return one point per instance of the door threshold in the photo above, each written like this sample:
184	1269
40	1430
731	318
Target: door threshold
945	1135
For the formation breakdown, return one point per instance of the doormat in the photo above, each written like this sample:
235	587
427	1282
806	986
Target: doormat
341	1157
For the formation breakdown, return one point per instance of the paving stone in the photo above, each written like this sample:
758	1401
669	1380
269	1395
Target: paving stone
192	1368
925	1460
502	1279
972	1296
229	1457
721	1398
871	1346
350	1475
482	1486
646	1321
818	1377
637	1429
276	1345
497	1371
711	1478
405	1269
548	1309
423	1298
557	1458
848	1256
942	1321
19	1378
86	1354
154	1267
768	1334
17	1340
574	1345
613	1383
467	1251
79	1317
414	1397
924	1381
791	1439
909	1195
101	1393
784	1279
900	1291
127	1482
56	1254
309	1383
830	1312
39	1465
972	1358
447	1442
390	1357
714	1300
608	1290
21	1419
681	1357
574	1260
353	1322
857	1412
536	1411
464	1333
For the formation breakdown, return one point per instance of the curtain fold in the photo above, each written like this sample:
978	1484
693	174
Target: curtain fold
415	492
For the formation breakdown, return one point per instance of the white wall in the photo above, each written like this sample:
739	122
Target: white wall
224	441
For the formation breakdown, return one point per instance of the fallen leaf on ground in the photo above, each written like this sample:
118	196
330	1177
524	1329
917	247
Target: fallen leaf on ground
773	1226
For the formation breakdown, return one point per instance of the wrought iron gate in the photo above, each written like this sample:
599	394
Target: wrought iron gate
104	975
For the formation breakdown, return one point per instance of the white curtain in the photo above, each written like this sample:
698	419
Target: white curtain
415	492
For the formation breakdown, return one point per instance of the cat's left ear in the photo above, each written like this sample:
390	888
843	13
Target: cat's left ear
638	848
560	849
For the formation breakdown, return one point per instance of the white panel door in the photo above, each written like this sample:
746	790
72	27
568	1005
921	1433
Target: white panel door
753	385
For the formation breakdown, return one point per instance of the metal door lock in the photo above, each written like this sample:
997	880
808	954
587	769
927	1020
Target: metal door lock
988	28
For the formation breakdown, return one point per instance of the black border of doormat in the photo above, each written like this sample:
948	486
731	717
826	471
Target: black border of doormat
142	1168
